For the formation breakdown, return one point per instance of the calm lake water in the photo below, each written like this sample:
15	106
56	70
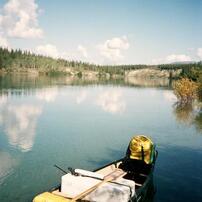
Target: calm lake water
85	124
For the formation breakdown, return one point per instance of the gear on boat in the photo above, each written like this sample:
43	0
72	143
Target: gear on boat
141	148
139	157
124	180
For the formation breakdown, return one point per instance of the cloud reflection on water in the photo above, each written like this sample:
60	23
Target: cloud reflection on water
47	94
198	121
169	96
81	97
111	101
19	122
3	99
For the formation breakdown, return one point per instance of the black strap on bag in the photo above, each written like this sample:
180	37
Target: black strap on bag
142	151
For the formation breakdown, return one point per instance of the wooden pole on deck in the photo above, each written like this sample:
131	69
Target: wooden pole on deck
110	177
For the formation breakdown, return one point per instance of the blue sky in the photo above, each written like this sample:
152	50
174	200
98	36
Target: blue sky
103	31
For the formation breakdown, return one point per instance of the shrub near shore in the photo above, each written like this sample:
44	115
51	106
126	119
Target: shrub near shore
185	90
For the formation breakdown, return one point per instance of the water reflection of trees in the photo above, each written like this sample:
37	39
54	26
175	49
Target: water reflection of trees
198	121
26	81
184	113
147	82
189	114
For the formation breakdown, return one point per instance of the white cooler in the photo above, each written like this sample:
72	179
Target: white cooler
108	192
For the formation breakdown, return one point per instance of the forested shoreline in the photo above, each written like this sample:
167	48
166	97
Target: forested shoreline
25	61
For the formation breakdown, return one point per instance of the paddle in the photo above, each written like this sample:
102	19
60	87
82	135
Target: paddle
71	170
60	169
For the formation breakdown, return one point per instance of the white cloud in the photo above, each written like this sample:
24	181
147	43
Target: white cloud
172	58
19	18
111	101
4	42
118	43
51	50
83	51
47	50
48	95
112	48
19	122
199	53
178	58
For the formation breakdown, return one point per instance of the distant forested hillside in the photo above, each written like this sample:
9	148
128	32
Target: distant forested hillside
16	60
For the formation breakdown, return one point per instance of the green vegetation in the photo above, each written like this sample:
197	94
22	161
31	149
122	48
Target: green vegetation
11	60
24	61
16	59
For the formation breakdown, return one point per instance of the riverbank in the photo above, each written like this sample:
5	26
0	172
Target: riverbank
90	74
24	62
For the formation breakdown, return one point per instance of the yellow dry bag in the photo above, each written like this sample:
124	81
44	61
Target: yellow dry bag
141	148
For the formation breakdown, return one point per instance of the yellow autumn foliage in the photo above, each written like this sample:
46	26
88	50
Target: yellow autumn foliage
185	90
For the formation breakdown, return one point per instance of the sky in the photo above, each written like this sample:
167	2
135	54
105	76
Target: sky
105	31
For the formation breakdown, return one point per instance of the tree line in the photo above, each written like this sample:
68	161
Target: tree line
16	59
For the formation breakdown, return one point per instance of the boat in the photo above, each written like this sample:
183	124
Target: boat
127	179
